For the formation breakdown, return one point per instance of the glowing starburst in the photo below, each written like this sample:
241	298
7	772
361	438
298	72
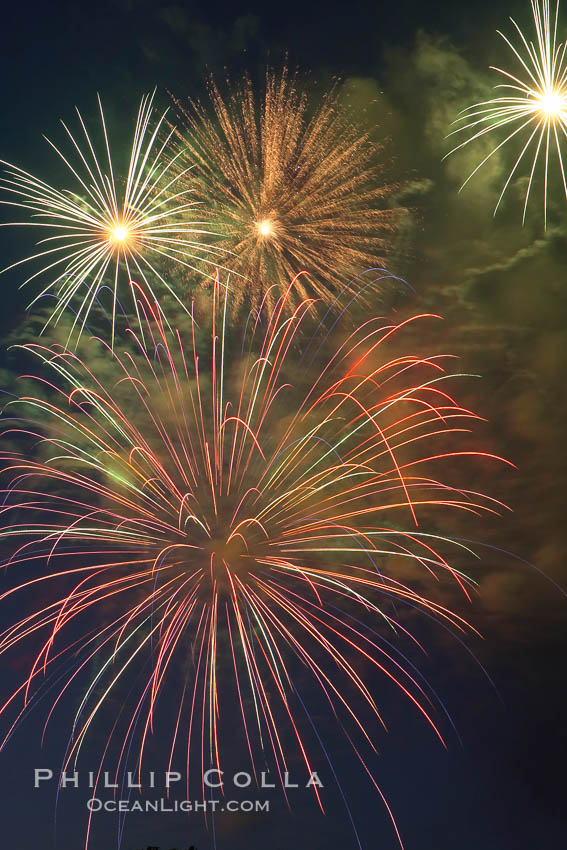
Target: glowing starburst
121	233
106	224
222	535
265	227
536	108
288	192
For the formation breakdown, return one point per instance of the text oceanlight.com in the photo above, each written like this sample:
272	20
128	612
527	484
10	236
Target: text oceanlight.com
164	805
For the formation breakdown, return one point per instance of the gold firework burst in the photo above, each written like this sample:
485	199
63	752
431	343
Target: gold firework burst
289	191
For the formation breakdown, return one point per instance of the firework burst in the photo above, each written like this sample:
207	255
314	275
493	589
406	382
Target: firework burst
289	192
104	225
228	525
533	111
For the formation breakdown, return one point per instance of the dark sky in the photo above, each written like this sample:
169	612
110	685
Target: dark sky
408	66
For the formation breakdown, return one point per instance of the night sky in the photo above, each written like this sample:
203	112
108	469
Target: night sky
408	67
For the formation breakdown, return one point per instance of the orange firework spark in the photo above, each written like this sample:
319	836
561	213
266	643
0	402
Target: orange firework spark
288	192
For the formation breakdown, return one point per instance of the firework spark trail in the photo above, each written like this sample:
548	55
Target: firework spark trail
105	227
535	111
230	522
288	192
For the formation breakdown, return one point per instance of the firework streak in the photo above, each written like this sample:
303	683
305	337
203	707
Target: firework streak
233	526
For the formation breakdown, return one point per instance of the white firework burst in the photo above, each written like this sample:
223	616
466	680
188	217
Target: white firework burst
106	227
533	105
